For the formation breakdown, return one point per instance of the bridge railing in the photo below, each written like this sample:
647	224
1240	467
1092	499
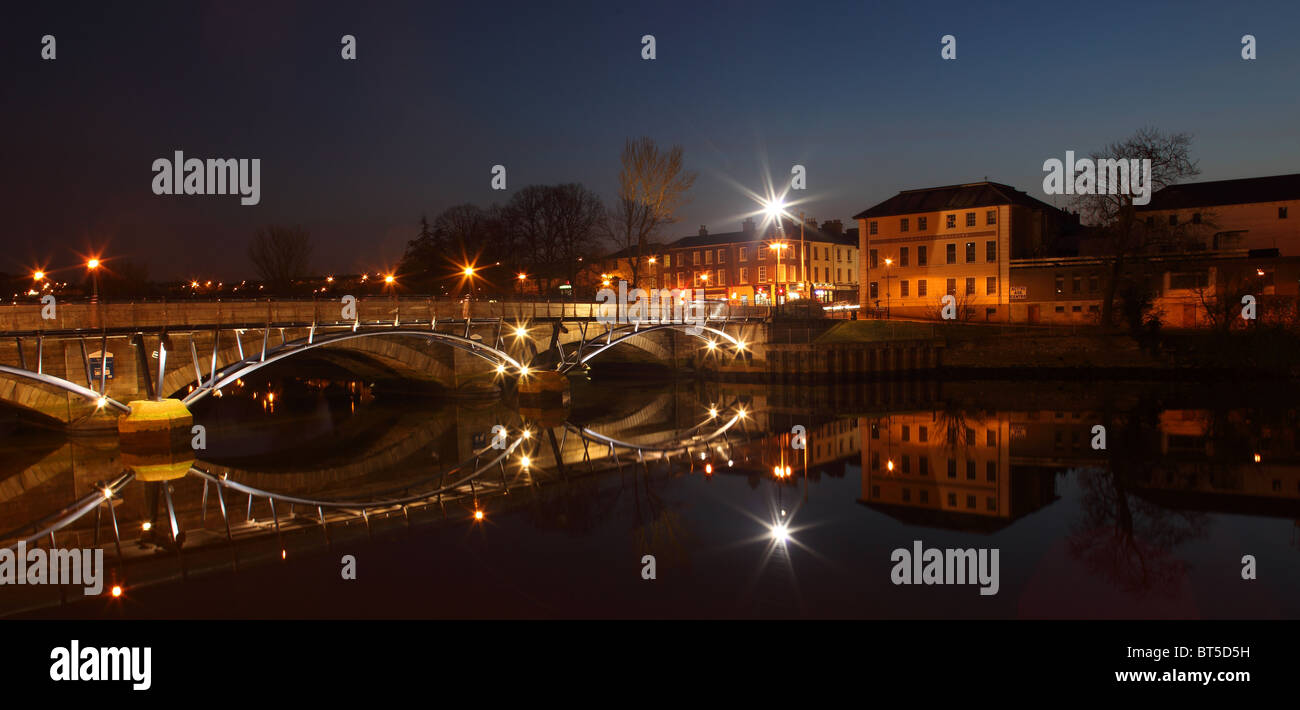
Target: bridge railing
369	309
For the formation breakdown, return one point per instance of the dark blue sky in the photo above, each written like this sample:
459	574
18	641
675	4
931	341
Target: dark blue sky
356	151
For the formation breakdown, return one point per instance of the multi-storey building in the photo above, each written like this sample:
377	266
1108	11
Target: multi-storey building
921	245
754	266
1252	213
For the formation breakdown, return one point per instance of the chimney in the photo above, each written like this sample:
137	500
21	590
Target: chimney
833	226
747	227
704	231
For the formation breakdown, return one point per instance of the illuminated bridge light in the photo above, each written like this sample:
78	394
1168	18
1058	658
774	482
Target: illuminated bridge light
525	461
478	515
713	412
521	332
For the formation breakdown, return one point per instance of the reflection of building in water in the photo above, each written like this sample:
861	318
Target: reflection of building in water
950	470
1229	465
833	441
983	471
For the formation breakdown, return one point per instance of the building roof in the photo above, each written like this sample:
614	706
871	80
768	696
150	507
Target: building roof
811	234
651	248
1274	188
952	197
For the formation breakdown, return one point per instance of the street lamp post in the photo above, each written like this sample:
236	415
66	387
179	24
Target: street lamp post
93	265
888	263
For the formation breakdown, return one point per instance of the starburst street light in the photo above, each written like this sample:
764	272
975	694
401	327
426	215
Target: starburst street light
38	276
93	265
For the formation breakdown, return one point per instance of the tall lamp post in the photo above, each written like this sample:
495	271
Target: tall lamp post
888	276
93	266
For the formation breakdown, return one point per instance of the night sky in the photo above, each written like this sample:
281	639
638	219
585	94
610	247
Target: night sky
356	151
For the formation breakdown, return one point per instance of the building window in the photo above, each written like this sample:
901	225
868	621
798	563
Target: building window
837	254
920	287
991	286
708	257
952	468
1060	284
902	256
722	277
990	252
871	227
990	438
743	254
681	279
744	275
1060	309
668	260
1092	283
1281	213
722	256
902	288
952	253
902	226
1076	283
970	469
970	286
907	432
952	221
952	287
923	434
873	259
922	256
991	217
970	252
839	278
970	219
923	466
762	253
1076	309
875	290
762	274
920	224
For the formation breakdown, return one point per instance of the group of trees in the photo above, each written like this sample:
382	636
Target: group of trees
549	233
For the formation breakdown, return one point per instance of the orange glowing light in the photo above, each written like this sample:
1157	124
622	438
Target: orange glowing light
1256	458
389	279
116	591
92	264
478	515
39	275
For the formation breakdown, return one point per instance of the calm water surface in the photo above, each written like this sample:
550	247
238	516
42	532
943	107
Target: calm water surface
1154	525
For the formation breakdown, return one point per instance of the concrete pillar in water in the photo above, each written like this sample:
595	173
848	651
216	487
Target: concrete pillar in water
156	439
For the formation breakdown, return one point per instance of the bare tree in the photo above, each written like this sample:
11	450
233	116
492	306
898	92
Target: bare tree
1124	235
651	187
281	255
554	230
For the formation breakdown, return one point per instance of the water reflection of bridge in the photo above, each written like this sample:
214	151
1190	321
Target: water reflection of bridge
176	528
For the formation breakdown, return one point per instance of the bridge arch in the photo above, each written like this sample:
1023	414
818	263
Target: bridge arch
593	348
247	366
59	383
